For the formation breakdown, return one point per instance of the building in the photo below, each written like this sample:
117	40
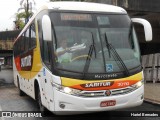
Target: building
6	45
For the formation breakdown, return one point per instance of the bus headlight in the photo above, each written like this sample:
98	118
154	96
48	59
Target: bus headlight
138	84
67	90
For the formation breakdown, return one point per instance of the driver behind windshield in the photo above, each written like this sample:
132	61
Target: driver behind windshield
63	52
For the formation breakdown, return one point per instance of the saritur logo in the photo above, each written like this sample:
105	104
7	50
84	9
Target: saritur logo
98	84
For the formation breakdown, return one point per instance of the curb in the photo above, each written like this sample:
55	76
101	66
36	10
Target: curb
7	85
152	101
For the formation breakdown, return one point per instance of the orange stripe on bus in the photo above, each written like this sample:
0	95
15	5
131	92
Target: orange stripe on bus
116	85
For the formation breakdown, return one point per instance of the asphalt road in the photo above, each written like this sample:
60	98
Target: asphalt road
11	101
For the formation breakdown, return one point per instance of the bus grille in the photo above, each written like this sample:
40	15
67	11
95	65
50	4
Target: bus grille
102	93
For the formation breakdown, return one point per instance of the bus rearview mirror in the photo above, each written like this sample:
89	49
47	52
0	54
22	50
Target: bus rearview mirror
46	28
147	27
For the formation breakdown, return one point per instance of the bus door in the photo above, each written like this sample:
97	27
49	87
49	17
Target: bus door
46	87
47	74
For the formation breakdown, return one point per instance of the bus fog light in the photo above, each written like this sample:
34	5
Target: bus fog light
61	105
142	97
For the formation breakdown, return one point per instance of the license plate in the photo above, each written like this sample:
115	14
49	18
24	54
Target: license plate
108	103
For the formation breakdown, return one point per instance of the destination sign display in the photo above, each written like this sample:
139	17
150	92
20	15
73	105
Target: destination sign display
76	17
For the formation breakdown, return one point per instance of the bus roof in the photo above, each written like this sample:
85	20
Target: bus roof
77	6
84	6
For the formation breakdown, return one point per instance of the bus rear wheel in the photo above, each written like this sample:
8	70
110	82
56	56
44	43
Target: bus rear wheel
21	93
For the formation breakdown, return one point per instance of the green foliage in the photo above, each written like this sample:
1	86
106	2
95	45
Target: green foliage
24	15
20	17
20	24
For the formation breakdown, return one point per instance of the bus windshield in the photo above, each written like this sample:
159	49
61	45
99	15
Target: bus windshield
94	45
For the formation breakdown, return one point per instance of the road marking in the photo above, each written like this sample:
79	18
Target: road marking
1	118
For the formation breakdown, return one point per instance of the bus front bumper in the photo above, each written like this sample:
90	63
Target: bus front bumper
69	104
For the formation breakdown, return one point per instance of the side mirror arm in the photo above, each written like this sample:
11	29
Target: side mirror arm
147	27
46	28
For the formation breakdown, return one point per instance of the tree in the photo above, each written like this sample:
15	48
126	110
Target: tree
26	6
24	13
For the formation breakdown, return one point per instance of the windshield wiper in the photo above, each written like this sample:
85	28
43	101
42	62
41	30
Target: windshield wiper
87	64
108	46
115	55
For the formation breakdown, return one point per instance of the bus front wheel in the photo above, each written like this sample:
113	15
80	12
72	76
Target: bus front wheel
41	107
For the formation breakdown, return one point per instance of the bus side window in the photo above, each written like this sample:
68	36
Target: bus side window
26	42
18	47
15	49
46	54
21	43
33	36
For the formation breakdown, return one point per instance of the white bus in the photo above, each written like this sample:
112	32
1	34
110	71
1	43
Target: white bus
79	56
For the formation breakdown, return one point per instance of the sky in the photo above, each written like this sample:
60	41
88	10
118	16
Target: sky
8	8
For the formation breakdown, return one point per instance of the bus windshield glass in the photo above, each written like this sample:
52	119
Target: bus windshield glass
94	45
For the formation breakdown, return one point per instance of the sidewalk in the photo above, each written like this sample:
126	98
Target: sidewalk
152	93
6	75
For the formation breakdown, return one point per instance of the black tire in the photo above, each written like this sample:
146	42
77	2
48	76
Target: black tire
42	109
21	93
